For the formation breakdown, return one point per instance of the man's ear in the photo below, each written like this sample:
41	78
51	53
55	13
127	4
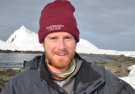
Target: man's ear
76	43
42	44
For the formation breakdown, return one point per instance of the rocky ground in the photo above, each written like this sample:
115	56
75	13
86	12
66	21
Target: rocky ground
6	74
118	67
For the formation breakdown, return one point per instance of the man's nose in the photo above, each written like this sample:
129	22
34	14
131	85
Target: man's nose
61	44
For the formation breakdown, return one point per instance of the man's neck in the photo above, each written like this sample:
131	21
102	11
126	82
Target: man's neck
56	70
60	74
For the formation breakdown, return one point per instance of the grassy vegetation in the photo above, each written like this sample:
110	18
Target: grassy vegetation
6	74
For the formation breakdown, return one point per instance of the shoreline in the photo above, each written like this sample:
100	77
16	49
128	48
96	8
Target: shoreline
16	51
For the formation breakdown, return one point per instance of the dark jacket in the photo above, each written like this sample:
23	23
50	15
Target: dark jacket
90	79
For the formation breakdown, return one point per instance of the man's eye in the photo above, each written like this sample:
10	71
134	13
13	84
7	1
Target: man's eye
53	38
67	37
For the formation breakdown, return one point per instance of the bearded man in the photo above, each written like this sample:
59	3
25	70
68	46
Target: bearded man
60	70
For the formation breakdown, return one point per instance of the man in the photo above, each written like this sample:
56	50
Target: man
60	70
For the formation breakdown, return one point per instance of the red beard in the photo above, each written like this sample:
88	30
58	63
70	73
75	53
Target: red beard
57	60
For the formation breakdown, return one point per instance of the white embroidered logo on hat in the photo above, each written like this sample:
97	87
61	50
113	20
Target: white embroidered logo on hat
54	27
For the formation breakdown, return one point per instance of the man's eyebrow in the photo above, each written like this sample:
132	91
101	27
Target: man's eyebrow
51	36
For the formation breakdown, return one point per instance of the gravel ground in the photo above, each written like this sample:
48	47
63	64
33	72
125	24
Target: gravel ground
119	66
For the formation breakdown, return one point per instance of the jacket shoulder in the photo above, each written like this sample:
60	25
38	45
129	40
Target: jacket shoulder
113	84
34	63
20	81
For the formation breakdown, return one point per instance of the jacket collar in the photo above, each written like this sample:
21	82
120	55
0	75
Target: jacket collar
87	77
85	72
44	73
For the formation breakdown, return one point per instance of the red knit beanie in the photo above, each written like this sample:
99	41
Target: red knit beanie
58	16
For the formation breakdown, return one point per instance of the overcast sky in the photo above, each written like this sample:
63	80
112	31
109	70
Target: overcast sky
108	24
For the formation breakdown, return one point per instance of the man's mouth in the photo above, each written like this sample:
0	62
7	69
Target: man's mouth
61	54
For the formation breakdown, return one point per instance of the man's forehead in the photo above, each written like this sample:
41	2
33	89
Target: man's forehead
59	33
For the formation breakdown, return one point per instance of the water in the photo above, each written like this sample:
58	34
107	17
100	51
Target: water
15	60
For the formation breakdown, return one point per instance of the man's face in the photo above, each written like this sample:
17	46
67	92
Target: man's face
59	49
